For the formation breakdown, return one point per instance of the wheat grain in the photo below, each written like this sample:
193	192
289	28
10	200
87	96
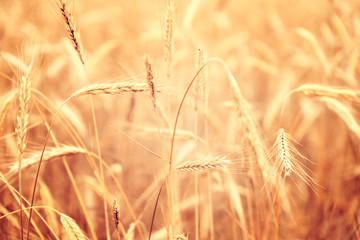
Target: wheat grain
72	229
287	163
71	27
22	126
112	88
201	90
115	212
329	91
203	164
150	79
5	107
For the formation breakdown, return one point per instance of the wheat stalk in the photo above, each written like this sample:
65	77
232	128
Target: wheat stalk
72	229
111	88
328	91
71	27
203	164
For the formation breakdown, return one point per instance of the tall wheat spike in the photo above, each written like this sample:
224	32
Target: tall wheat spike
71	27
150	79
22	125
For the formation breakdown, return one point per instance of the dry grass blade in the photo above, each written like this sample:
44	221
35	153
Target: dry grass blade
72	229
203	164
111	88
344	113
71	27
328	91
5	107
49	154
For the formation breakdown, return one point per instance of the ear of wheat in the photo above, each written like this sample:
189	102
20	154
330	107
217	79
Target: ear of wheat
328	91
112	88
150	79
203	164
5	107
71	27
115	212
51	153
287	162
22	126
72	229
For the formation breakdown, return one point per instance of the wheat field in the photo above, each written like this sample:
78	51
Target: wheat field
168	119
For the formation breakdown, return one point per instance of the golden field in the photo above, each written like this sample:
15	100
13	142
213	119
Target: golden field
178	120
